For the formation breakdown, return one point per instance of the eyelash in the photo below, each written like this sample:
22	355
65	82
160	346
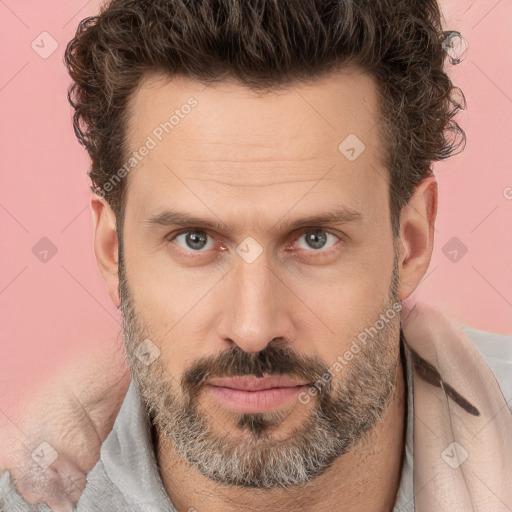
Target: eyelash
193	254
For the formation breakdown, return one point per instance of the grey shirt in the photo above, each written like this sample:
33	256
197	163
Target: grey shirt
127	479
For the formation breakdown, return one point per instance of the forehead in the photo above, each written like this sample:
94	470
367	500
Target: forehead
317	113
252	146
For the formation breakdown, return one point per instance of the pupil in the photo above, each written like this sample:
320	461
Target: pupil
195	241
316	241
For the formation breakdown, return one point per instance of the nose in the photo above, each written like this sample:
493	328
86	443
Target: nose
255	307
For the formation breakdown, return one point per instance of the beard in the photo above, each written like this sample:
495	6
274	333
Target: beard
251	455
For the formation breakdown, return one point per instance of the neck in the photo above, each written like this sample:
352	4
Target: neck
365	479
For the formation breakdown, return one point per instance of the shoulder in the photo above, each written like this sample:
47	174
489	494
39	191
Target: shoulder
496	350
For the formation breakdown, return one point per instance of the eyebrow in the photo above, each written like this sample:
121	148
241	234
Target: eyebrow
167	218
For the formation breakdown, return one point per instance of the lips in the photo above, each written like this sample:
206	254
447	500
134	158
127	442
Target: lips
249	383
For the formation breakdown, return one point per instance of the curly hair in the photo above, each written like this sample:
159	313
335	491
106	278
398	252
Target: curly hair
264	45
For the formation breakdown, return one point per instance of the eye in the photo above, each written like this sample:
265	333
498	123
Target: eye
193	240
197	240
318	239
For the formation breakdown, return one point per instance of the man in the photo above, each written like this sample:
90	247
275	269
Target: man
264	202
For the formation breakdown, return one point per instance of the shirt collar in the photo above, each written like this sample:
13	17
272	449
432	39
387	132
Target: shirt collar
129	457
405	496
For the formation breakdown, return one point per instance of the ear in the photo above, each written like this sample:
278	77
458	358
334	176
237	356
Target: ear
106	245
417	236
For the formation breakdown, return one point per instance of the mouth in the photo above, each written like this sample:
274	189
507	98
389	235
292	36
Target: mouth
251	394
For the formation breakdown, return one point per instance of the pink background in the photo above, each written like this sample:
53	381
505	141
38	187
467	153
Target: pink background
55	312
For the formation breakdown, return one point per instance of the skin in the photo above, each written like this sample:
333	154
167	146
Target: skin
250	161
74	412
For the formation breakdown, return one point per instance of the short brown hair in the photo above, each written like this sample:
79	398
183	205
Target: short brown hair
267	44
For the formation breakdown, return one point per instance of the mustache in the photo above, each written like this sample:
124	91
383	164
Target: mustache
235	362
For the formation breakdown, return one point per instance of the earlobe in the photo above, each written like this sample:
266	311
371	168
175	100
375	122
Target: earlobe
417	236
106	245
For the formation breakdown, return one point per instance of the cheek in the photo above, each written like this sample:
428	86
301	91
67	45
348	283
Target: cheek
163	291
347	302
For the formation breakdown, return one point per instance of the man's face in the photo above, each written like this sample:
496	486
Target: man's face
260	295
